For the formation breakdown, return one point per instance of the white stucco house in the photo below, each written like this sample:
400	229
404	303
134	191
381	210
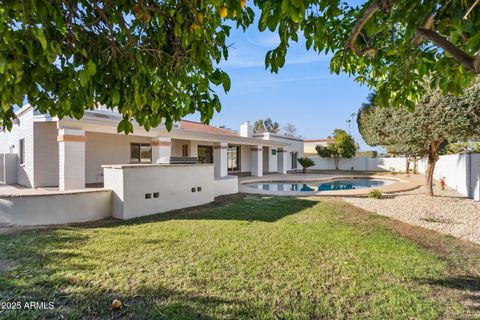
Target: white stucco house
67	156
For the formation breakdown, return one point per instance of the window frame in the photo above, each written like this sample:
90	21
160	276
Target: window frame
140	145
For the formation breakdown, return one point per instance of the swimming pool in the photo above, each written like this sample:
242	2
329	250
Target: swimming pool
332	185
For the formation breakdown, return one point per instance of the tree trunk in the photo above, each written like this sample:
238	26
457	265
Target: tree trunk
304	170
432	160
415	165
336	160
407	166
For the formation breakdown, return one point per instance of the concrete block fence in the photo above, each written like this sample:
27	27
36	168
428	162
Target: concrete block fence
460	171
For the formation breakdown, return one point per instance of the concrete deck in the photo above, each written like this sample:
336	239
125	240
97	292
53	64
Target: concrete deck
9	191
401	183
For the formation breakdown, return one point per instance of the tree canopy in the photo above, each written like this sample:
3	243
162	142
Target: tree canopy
343	146
267	125
422	132
158	60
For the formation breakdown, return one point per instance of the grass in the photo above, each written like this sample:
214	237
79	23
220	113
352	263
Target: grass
250	257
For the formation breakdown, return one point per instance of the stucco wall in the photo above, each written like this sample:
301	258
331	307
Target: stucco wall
461	172
46	154
23	130
173	183
102	148
225	185
55	209
245	158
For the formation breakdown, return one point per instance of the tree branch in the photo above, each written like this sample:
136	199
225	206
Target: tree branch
367	15
465	17
469	62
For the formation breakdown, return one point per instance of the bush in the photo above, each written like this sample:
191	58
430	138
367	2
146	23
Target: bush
375	194
306	163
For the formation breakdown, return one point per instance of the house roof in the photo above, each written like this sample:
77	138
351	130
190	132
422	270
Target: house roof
319	140
200	127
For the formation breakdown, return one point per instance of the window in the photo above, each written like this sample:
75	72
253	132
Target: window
22	151
205	154
185	150
294	159
274	152
233	158
140	153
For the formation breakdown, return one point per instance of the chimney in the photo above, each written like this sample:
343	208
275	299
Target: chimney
246	130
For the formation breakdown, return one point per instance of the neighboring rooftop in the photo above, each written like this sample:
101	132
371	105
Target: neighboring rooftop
197	126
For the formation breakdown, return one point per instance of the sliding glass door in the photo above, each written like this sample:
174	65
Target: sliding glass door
233	158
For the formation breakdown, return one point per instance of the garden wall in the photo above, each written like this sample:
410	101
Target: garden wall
461	171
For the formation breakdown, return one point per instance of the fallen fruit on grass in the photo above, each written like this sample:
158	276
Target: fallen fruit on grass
116	304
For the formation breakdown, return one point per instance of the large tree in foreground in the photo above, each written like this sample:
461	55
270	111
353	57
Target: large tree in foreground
343	146
422	132
157	59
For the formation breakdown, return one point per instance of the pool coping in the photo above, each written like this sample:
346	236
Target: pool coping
403	183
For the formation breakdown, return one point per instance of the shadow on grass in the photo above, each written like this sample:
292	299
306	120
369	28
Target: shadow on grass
464	283
238	207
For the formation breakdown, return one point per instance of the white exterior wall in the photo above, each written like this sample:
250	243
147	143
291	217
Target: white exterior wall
103	148
46	154
23	130
245	158
56	208
461	172
173	183
225	185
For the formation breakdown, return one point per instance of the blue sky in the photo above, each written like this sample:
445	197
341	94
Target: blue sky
303	92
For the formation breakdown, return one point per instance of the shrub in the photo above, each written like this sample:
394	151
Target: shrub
392	171
306	163
375	194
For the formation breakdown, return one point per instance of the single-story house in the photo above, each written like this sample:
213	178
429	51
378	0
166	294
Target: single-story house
69	153
189	165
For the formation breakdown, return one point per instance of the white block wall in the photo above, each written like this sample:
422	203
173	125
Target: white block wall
454	168
173	183
46	154
103	148
58	208
24	130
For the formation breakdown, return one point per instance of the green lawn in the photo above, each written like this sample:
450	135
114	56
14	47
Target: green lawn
249	257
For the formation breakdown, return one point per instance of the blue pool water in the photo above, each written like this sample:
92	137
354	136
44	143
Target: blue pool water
333	185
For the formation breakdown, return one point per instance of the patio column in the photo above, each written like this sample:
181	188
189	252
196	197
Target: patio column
161	150
256	154
282	155
220	159
71	147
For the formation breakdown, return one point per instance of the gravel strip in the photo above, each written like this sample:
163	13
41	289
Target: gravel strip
448	212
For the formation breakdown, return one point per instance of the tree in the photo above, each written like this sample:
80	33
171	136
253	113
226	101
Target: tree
258	126
389	45
305	163
270	126
267	125
290	129
156	61
422	132
343	146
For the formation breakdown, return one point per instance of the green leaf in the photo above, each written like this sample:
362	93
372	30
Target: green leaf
226	82
91	67
40	35
84	77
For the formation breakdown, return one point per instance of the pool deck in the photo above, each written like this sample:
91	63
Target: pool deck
401	183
